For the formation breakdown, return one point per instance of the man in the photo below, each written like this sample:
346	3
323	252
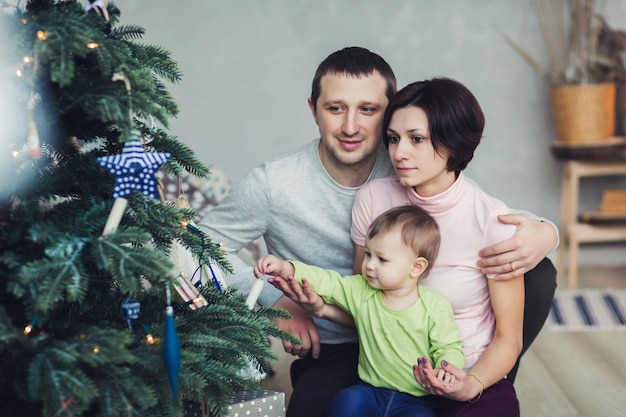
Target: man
301	205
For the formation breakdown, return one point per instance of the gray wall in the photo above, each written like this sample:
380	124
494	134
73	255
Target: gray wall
248	66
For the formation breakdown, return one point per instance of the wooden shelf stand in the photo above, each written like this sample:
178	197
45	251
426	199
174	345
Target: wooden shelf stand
572	231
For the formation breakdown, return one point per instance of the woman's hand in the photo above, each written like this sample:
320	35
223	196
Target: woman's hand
447	381
532	241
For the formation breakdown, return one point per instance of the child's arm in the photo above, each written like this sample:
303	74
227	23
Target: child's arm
271	265
303	294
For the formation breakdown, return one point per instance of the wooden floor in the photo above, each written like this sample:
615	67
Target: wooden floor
563	374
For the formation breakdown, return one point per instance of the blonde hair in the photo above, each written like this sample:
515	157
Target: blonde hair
418	231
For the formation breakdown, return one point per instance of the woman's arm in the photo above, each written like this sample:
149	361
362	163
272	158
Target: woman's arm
507	300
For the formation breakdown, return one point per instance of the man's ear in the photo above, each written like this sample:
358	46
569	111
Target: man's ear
313	112
419	266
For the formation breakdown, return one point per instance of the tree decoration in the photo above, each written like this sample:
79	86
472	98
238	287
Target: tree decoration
100	7
130	310
171	351
134	169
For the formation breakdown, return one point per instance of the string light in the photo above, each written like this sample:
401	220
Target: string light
96	350
93	45
27	59
41	35
29	328
149	338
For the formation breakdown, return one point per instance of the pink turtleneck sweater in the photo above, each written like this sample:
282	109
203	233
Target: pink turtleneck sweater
467	219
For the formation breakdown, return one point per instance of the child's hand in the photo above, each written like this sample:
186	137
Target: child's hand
309	300
458	388
269	265
447	378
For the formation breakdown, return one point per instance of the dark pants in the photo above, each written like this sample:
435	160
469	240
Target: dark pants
316	381
539	287
499	400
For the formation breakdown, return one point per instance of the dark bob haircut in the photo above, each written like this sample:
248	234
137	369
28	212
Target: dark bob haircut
455	119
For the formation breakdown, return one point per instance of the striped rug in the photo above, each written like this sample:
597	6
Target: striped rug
588	309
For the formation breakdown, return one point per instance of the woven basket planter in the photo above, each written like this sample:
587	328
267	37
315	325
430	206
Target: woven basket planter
584	113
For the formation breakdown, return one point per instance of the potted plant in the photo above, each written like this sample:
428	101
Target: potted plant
585	71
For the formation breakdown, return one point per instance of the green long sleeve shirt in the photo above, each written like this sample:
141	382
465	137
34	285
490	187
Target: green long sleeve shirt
390	340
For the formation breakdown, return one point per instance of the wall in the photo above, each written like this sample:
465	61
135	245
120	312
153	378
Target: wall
248	66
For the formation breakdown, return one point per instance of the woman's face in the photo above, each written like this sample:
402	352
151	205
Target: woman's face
412	154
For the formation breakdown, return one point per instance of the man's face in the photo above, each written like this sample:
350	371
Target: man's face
349	113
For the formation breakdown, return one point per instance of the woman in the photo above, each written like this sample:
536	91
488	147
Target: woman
431	130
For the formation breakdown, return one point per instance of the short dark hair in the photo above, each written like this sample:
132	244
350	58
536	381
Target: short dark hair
356	62
418	231
455	119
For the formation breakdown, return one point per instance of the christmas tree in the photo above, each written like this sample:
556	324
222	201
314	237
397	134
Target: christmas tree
88	322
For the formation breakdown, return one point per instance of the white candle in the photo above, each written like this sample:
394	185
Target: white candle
254	293
115	216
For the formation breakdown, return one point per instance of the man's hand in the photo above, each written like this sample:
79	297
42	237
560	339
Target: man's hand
514	257
301	326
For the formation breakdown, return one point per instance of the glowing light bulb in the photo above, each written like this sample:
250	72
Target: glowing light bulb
30	326
41	35
93	45
96	350
149	339
18	73
27	59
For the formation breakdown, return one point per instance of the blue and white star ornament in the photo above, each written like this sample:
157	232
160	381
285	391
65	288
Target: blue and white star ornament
134	169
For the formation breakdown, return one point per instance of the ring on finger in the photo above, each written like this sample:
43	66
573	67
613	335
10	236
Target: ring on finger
512	265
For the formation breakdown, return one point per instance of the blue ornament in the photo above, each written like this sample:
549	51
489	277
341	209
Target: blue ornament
171	351
130	310
134	169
